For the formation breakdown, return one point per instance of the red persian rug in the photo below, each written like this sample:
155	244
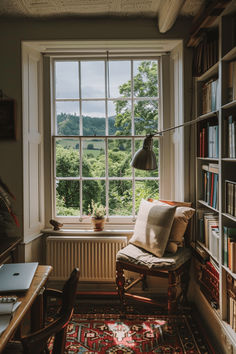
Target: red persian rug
94	333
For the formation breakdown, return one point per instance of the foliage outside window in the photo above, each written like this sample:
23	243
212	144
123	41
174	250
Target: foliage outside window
103	110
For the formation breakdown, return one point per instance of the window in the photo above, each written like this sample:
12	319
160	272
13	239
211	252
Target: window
102	110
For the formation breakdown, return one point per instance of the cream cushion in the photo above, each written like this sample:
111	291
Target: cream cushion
152	227
182	216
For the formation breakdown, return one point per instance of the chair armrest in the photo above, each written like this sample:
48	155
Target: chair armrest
36	340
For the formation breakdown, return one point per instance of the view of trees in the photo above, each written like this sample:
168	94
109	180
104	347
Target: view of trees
119	151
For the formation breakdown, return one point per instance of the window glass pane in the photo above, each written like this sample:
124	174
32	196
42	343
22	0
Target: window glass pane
67	158
122	119
111	107
67	79
119	78
93	79
119	157
93	164
145	189
93	113
120	198
67	118
93	190
151	173
145	117
67	198
145	78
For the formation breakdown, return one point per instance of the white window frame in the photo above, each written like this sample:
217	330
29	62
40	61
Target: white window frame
169	169
110	218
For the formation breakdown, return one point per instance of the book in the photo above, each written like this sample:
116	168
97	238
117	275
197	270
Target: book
229	233
230	197
210	219
215	242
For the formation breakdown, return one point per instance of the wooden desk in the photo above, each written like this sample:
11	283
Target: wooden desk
30	299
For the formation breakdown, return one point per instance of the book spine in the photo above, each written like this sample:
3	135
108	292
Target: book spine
225	258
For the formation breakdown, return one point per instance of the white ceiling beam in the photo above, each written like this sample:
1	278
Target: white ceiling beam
168	13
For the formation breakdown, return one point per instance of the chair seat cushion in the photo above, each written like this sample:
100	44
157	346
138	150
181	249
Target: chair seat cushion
138	256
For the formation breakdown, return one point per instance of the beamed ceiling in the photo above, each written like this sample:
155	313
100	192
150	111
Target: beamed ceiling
166	11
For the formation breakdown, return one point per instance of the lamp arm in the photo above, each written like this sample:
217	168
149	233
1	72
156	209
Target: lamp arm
178	126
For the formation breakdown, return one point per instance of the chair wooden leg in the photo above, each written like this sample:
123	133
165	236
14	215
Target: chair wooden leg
120	282
172	292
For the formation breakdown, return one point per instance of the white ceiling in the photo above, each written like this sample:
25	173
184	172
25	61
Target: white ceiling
42	8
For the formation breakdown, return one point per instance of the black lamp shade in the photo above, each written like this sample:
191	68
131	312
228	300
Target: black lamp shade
145	158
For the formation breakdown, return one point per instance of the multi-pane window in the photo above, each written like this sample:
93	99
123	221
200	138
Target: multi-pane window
102	111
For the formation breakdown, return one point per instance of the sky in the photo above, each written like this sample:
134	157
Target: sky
92	85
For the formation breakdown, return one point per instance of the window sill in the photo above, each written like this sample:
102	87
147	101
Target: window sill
80	232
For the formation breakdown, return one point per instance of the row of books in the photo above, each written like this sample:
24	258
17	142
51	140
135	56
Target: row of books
210	96
210	184
209	141
209	284
231	89
206	53
209	231
230	197
229	255
231	132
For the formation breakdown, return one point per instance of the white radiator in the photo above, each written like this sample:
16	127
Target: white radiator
95	257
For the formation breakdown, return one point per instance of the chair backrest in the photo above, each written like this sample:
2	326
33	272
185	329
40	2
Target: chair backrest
37	341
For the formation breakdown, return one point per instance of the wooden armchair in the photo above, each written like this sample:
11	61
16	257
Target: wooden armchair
174	267
37	342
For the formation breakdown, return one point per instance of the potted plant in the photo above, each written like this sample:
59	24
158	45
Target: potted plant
97	212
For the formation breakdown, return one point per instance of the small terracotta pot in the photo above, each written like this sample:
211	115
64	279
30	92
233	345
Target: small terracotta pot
98	224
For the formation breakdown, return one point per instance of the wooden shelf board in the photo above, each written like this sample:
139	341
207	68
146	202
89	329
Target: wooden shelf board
229	105
229	216
208	159
208	251
207	205
229	159
209	73
233	275
230	55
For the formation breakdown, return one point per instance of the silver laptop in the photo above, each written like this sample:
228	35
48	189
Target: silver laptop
16	277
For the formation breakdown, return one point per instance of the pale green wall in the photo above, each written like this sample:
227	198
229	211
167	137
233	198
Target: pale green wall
13	31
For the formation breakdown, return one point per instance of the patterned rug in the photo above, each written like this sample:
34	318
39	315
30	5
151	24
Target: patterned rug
97	333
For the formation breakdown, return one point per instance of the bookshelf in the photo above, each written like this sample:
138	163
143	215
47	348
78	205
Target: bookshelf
214	68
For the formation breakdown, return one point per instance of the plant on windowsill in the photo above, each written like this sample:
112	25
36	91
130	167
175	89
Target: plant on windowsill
97	212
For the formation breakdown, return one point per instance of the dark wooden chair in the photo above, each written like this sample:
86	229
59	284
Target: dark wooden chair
174	267
37	342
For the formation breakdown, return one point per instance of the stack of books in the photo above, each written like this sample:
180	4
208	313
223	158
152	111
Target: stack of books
209	231
209	284
230	190
209	141
229	256
206	53
210	184
210	96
